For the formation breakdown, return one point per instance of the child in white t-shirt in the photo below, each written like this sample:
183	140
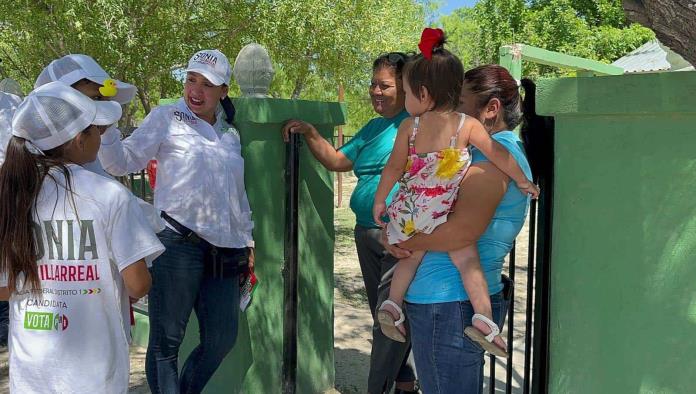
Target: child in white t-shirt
72	249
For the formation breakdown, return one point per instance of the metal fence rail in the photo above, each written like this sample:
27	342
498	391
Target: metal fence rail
139	185
520	328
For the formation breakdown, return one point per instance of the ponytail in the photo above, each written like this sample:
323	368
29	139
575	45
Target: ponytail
21	177
536	132
229	109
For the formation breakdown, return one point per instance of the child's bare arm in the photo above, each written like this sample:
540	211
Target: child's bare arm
392	171
501	157
137	279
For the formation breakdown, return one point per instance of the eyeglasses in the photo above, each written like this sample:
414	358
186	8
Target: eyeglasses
374	85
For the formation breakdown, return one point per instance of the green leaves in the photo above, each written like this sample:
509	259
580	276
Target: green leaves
315	44
318	44
594	29
135	41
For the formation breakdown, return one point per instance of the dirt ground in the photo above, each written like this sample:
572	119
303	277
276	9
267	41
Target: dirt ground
352	318
352	324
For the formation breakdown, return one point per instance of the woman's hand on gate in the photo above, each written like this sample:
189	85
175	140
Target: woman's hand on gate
295	126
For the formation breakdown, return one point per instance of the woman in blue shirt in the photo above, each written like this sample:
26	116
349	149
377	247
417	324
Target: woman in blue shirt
367	154
490	211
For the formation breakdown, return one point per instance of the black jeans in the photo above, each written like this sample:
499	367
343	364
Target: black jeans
390	361
4	322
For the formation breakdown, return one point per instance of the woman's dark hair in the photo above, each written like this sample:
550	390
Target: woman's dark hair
393	60
442	75
21	177
229	109
82	81
493	81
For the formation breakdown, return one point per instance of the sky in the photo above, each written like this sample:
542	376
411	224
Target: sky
450	5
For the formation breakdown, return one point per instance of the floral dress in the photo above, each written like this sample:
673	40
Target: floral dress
428	188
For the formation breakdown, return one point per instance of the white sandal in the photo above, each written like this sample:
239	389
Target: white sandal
486	341
387	323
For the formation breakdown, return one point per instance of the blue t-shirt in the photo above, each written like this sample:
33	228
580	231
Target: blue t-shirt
369	151
437	279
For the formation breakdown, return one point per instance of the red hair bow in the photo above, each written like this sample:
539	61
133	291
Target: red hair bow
429	39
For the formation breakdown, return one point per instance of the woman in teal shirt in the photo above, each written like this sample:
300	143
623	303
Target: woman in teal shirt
490	211
367	154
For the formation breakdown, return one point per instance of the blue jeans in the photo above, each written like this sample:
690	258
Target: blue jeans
446	360
179	285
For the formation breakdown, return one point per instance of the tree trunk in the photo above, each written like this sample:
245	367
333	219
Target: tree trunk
127	121
673	21
144	99
299	85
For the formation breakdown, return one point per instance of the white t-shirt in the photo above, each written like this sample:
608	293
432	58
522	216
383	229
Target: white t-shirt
74	336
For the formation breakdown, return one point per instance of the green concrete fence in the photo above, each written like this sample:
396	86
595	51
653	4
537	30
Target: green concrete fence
623	261
255	364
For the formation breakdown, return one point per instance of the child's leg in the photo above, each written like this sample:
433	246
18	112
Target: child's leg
390	315
467	262
403	275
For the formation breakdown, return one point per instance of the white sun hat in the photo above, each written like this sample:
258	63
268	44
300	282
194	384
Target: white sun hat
213	65
55	113
72	68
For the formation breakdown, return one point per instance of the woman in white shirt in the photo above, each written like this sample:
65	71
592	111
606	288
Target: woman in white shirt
73	246
200	191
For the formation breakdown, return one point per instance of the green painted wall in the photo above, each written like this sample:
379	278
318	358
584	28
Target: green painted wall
623	277
255	365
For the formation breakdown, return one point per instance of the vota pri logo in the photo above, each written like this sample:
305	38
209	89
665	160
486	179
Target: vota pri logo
45	321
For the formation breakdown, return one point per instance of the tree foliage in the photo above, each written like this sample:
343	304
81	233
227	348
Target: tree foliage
134	40
463	36
315	44
594	29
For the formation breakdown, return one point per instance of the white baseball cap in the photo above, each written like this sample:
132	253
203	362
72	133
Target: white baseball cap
213	65
72	68
55	113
